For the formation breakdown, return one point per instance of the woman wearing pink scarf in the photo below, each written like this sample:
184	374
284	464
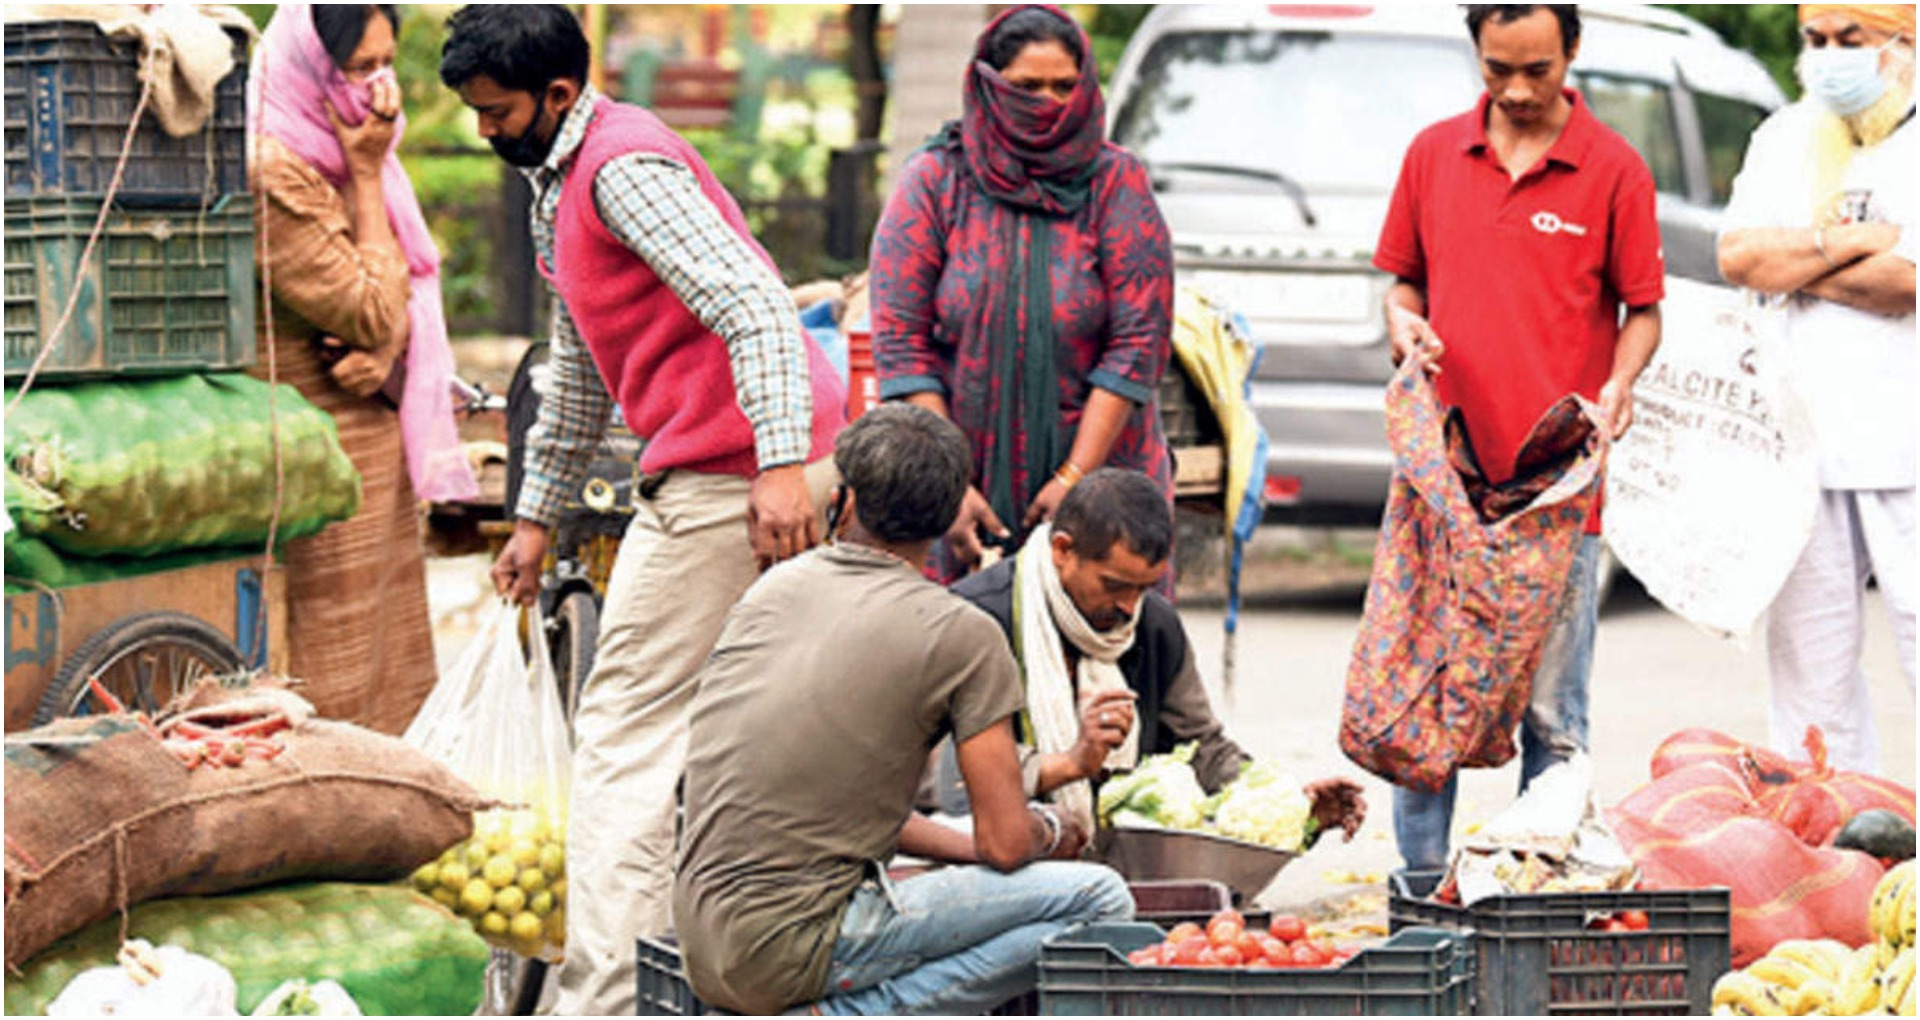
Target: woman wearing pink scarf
355	296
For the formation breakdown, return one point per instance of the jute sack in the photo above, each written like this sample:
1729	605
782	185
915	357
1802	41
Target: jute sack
103	813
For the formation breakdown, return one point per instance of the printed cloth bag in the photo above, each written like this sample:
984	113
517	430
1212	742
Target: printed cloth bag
1467	583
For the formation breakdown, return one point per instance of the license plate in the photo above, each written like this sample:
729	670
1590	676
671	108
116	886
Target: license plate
1294	297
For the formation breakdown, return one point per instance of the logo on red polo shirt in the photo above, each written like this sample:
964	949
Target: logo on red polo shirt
1551	223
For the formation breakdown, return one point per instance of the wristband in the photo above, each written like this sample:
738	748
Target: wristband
1820	246
1052	821
1069	474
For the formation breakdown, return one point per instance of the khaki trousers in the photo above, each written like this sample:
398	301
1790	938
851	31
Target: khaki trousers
684	562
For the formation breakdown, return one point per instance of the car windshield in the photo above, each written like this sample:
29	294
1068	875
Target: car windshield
1329	111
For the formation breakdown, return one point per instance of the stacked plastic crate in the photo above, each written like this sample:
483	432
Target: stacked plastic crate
169	285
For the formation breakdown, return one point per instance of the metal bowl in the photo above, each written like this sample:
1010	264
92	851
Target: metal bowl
1142	855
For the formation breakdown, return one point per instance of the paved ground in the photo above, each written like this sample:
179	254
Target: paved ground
1653	674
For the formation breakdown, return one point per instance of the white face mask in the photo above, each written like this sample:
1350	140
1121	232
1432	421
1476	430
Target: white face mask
1847	79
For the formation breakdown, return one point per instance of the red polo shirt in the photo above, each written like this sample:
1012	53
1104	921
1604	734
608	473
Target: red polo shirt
1526	280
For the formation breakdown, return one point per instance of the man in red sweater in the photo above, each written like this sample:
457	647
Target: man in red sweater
1519	233
669	313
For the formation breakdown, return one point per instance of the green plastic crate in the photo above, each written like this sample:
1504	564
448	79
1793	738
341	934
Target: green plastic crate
1537	957
166	291
1421	972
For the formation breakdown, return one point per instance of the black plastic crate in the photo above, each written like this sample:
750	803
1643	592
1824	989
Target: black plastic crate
1421	972
1538	957
166	291
664	990
70	92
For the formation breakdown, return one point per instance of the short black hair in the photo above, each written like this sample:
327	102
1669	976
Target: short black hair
908	468
1567	14
523	47
342	26
1022	28
1111	504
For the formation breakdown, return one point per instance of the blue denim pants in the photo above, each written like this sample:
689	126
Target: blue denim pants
961	939
1555	726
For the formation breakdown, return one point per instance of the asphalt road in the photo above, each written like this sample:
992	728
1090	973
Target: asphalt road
1653	674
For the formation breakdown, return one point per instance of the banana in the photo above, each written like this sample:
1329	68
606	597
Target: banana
1906	1002
1896	981
1747	995
1826	958
1859	992
1883	912
1815	998
1903	919
1782	972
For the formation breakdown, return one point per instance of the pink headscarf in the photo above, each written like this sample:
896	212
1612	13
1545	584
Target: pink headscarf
291	82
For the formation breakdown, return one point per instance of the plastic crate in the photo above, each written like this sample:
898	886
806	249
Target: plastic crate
70	91
1537	956
1084	972
165	291
664	990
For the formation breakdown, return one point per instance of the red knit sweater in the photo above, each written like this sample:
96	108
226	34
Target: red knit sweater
668	372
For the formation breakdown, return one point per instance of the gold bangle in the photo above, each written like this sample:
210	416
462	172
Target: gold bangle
1069	474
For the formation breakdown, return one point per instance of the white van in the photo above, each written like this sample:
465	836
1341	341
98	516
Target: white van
1274	136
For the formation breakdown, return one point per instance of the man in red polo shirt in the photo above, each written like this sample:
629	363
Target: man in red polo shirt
1518	232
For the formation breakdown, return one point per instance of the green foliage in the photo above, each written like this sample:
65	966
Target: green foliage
1770	32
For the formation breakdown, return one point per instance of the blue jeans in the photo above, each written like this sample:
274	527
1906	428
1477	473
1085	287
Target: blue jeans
961	939
1556	721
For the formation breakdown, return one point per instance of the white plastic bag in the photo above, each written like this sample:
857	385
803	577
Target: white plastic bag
496	721
1712	493
168	981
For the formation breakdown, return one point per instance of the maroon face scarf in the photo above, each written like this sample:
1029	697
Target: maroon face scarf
1027	150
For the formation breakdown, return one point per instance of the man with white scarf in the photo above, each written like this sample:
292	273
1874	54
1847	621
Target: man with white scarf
1821	222
1108	669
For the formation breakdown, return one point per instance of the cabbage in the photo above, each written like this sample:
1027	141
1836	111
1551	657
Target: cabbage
1162	790
1265	806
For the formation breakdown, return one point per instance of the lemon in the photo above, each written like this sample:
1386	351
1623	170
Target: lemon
475	855
532	880
553	860
525	853
477	897
446	897
499	839
525	928
540	903
500	871
493	923
510	901
454	876
427	877
559	887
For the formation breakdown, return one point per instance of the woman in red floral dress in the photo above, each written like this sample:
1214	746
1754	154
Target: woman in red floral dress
1023	284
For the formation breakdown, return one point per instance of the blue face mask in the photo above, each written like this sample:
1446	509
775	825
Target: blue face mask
1847	79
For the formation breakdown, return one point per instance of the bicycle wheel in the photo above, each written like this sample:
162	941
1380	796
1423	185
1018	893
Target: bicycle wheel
573	630
142	660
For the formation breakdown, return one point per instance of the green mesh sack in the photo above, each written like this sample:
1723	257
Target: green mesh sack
396	952
149	467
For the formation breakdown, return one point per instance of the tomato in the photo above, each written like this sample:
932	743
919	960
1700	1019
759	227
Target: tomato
1635	920
1287	928
1249	945
1147	957
1187	951
1183	931
1277	952
1225	932
1208	958
1228	914
1260	963
1325	948
1228	956
1305	954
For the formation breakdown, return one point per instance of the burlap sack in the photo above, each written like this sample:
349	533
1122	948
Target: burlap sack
100	815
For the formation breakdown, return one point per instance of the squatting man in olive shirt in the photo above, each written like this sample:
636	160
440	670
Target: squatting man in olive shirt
834	677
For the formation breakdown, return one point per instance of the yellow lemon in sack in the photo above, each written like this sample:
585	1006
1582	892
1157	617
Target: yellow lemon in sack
524	928
474	855
510	901
427	876
553	860
454	876
477	897
532	880
493	924
540	903
499	871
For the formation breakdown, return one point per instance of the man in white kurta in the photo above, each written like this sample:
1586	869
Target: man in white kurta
1822	219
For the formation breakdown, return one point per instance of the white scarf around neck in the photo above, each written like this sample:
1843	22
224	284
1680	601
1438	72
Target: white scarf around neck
1047	615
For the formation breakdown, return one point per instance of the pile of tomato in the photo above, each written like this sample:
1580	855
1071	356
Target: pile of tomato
1624	921
1227	942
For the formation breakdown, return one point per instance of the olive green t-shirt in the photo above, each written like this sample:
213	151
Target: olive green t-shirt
834	677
